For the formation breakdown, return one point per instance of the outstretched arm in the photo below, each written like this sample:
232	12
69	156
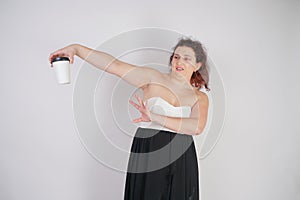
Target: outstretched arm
134	75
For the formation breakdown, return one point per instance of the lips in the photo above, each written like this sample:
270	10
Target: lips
178	68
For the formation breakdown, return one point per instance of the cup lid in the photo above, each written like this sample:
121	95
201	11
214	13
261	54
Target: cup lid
60	59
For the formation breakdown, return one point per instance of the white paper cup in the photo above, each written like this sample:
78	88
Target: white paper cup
61	67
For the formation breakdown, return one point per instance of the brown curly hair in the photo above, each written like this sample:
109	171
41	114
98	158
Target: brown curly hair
200	78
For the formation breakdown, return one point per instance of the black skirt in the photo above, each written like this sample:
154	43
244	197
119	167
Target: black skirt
162	166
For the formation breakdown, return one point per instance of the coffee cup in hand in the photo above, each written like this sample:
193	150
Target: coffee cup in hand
61	67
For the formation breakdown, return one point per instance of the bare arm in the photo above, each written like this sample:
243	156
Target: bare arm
134	75
194	125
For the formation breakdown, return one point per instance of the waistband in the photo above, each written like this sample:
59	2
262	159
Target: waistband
155	126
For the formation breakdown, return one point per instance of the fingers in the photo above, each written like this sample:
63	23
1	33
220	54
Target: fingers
64	52
139	99
142	108
134	104
55	54
137	120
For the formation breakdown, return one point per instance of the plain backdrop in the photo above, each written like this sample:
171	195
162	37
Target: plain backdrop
255	45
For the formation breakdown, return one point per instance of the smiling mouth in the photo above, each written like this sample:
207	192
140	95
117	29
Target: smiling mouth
179	69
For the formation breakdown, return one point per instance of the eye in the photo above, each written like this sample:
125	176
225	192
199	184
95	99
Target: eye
187	59
176	57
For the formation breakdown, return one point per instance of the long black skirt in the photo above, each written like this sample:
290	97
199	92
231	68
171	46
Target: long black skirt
162	166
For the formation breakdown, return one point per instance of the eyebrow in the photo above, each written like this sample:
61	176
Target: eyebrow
184	55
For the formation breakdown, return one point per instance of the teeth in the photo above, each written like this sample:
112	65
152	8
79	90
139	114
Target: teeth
179	68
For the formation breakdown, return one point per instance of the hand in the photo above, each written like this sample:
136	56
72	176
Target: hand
144	110
68	51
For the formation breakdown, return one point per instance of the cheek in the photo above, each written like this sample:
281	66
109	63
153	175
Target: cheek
191	67
173	62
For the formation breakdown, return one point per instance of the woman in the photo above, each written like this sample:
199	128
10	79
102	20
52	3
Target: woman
163	162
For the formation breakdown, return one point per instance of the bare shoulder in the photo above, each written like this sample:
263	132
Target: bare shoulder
202	98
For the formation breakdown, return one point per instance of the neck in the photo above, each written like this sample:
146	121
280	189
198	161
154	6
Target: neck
179	80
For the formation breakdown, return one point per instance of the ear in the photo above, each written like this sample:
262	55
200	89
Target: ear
198	65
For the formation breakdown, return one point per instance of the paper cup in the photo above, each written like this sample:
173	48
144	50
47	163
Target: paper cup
61	67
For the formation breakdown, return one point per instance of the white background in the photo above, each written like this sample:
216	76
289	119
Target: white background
255	45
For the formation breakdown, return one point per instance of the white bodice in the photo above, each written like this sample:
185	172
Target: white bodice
160	106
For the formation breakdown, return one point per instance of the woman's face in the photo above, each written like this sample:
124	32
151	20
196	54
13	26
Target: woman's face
184	61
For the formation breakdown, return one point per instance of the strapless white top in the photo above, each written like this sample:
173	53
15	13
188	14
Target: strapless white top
160	106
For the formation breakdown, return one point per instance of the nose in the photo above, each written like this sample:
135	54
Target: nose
179	61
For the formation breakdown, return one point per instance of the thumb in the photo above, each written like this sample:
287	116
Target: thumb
71	59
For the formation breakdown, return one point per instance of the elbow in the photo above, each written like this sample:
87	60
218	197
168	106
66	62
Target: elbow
192	132
199	130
